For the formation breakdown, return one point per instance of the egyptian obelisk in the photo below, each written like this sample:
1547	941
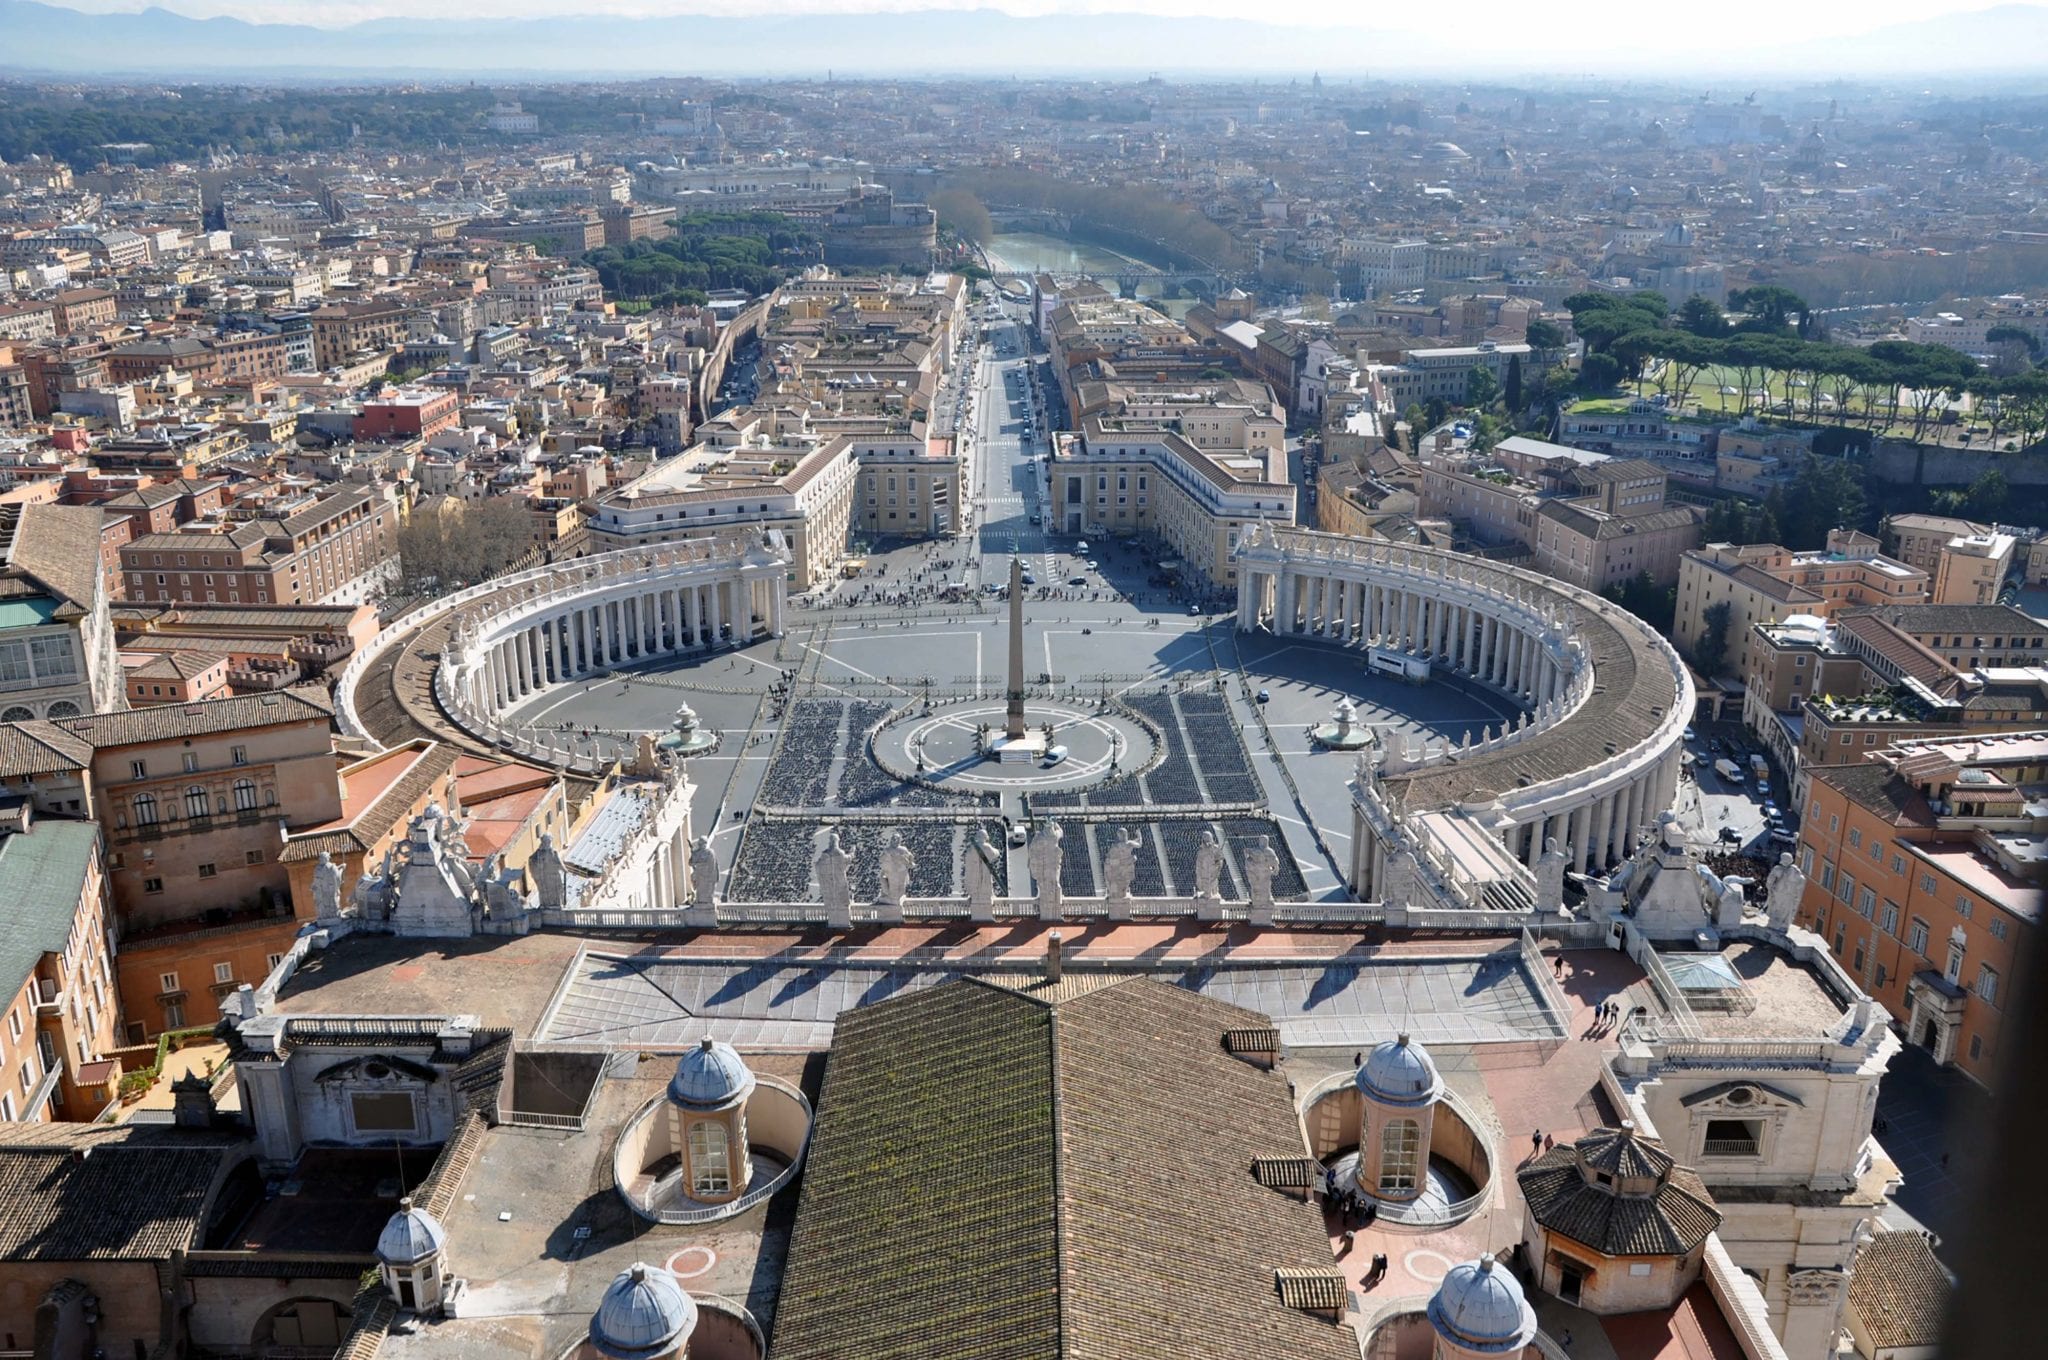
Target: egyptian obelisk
1013	720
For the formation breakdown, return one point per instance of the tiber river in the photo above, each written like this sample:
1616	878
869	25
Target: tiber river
1027	252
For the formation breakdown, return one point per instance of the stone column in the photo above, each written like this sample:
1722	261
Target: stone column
1581	832
775	602
717	613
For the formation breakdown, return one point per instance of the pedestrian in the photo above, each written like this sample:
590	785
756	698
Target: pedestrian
1548	1143
1536	1142
1564	1338
1349	1238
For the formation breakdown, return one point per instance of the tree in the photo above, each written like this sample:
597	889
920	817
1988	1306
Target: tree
1702	316
1770	308
1827	494
1481	387
1710	653
1641	596
1544	336
963	214
449	543
1599	372
1513	394
1987	495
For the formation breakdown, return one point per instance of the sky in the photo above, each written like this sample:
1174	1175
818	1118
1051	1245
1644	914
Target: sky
1627	23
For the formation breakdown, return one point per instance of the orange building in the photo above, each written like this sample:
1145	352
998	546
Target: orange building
1925	874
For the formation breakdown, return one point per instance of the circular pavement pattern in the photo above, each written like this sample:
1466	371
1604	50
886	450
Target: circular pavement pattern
943	746
691	1262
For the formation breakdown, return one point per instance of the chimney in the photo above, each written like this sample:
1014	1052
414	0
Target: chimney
1054	960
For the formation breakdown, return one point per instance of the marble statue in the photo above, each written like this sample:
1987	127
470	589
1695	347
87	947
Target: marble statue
1782	891
1729	902
327	888
1119	871
1045	857
897	864
980	874
501	898
1550	867
550	880
833	866
703	874
1208	867
1260	864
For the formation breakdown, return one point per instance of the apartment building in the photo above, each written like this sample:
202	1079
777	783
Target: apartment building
57	656
1924	872
335	549
1128	474
776	476
906	490
343	330
57	986
1765	583
1974	567
1444	373
1585	518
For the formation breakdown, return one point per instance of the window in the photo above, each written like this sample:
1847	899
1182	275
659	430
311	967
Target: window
138	770
1954	971
14	1024
1400	1156
1987	984
252	857
191	762
245	795
167	982
1827	877
195	801
28	1077
270	962
1916	939
152	885
710	1161
1866	903
223	972
238	755
1963	906
1855	838
1927	883
1734	1138
1898	863
1877	851
1891	917
382	1112
145	809
1845	887
1997	927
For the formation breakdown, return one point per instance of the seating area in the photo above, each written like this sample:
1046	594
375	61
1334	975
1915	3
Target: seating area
812	734
776	855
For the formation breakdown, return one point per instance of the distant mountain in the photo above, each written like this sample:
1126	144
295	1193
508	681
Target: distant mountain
49	38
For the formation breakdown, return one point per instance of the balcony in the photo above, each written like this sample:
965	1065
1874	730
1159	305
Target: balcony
1730	1147
49	997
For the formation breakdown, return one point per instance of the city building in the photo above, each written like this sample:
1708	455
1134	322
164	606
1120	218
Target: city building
57	657
1764	583
340	548
1924	875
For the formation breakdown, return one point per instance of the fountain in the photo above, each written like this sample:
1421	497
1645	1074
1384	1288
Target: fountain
1343	732
687	738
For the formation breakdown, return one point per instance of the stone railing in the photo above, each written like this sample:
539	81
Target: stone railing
782	1126
1742	1303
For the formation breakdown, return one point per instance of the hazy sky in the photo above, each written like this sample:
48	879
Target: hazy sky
1624	23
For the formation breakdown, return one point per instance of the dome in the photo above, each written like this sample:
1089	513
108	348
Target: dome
1479	1307
410	1237
645	1313
710	1077
1447	151
1399	1073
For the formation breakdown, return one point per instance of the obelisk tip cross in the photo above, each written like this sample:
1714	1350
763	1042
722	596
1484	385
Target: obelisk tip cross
1013	723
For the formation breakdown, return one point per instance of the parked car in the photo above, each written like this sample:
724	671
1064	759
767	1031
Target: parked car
1730	836
1265	696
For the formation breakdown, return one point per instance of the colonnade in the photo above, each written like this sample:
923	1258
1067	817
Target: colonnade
583	636
1446	625
1599	758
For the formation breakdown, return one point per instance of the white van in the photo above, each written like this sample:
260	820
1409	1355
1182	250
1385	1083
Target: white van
1728	770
